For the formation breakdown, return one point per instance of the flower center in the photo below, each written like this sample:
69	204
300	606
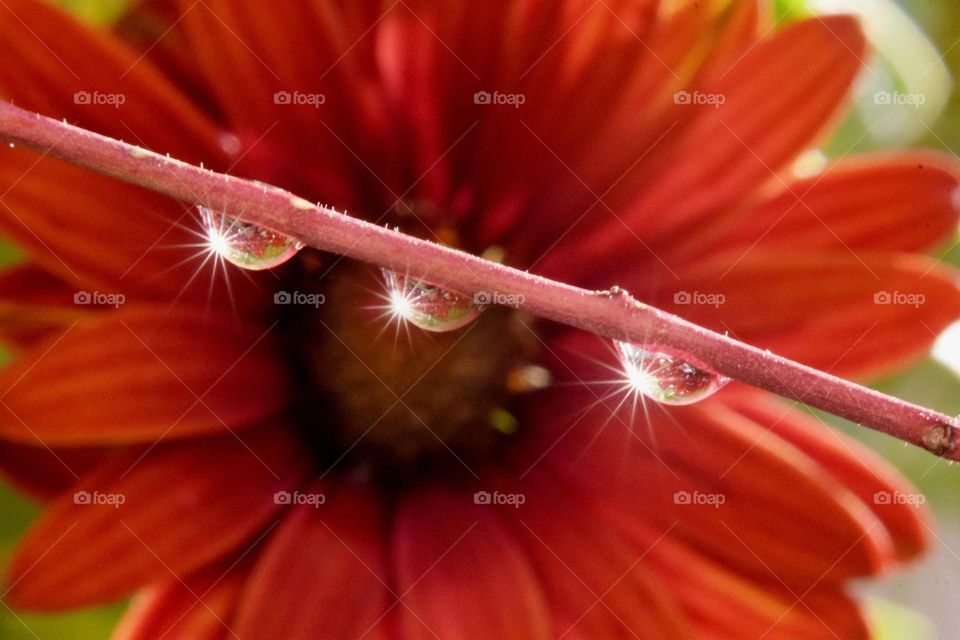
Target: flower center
386	397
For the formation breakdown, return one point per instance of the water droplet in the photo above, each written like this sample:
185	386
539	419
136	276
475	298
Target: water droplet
666	378
247	245
427	306
11	145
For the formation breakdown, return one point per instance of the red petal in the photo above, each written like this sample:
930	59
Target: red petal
34	305
132	375
90	228
783	511
200	607
845	313
597	583
324	569
184	505
614	109
63	66
748	21
462	574
249	49
728	606
726	591
787	512
890	202
859	469
45	472
777	99
150	27
101	234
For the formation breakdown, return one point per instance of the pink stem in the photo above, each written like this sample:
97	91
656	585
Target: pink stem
614	313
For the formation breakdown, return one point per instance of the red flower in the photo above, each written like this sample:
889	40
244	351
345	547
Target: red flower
283	471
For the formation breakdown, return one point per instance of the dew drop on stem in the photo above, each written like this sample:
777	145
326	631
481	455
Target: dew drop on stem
247	246
667	378
427	306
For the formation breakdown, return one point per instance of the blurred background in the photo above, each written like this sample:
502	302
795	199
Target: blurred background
917	45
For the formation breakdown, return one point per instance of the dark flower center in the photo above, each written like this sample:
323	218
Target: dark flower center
382	397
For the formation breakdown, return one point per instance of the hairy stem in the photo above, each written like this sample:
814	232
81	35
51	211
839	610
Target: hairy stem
613	313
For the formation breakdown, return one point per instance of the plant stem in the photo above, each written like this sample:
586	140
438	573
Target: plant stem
614	314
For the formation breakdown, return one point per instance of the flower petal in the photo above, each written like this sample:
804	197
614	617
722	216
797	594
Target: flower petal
152	515
100	234
729	571
88	228
782	511
150	27
314	148
851	314
33	305
801	522
907	201
858	468
805	525
462	574
324	568
618	108
108	88
199	607
776	100
731	149
726	605
597	583
44	472
159	377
